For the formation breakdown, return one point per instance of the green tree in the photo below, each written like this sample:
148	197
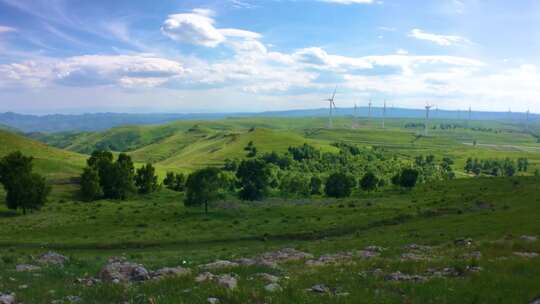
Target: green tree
202	187
102	162
369	181
90	185
408	178
253	178
250	149
294	184
339	184
168	181
25	190
315	185
123	178
146	179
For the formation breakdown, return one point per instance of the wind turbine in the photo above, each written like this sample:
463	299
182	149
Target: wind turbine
527	119
369	109
331	107
355	117
428	107
469	118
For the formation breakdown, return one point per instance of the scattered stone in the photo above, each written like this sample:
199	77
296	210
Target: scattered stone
27	268
246	262
444	272
205	276
121	271
463	242
52	258
475	255
285	255
273	287
88	282
526	254
73	299
220	264
227	281
7	298
535	301
24	286
368	254
268	278
374	248
374	272
170	272
473	268
320	288
409	256
529	238
342	294
212	300
416	247
399	276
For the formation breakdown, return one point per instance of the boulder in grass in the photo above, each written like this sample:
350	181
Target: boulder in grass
27	268
170	272
205	276
52	258
219	264
529	238
227	281
7	298
273	287
123	272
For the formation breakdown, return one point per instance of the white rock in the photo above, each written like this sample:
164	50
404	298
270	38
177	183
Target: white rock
272	287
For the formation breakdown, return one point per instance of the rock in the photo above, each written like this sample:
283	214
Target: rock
320	288
170	272
416	247
473	268
212	300
342	294
285	255
398	276
374	248
526	254
535	301
27	268
205	276
227	281
273	287
409	256
88	282
123	272
268	278
444	272
463	242
246	262
52	258
335	258
7	298
24	286
73	299
368	254
475	255
529	238
220	264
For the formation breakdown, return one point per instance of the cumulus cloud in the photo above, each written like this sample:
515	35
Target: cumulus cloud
198	28
93	70
444	40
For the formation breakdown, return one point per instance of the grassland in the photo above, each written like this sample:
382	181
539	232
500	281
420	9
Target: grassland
157	230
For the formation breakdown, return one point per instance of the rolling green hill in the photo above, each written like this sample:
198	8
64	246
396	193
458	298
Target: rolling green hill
52	162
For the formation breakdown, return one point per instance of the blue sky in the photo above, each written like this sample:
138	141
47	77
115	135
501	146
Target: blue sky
253	55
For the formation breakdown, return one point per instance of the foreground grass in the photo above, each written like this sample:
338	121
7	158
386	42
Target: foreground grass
158	231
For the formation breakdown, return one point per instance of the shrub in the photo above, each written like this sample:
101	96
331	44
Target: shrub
339	185
369	182
254	178
146	179
90	186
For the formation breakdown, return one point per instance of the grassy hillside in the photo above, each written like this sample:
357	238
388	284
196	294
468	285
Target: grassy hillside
158	231
52	162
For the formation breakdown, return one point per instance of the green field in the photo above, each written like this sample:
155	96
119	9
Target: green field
157	231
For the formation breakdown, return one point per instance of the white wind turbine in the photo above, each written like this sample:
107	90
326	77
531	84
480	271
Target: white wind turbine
428	107
331	107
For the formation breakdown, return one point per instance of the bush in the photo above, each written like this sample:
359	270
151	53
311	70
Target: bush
315	185
408	178
146	179
294	184
339	185
369	182
25	190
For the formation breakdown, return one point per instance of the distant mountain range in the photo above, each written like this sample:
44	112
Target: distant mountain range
102	121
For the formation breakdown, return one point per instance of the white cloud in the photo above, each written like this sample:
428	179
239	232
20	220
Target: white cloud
444	40
6	29
402	52
194	28
92	70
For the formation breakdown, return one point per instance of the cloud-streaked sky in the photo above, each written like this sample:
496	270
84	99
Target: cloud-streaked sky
255	55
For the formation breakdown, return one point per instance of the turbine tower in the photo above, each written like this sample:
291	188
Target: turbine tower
355	117
369	110
428	107
469	117
527	119
331	107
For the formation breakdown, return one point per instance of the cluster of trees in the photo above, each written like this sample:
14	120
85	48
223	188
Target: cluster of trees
300	172
104	177
496	167
25	189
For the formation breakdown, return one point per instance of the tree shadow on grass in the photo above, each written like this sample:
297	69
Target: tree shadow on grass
8	213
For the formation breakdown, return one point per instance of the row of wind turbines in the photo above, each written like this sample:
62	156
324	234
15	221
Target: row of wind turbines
428	107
